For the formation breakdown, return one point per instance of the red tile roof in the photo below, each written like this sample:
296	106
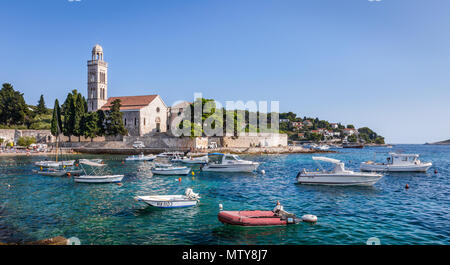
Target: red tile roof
131	102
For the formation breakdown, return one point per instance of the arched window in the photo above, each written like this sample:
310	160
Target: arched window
157	109
158	124
125	122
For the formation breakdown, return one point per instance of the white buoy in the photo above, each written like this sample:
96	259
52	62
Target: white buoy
309	218
263	171
220	207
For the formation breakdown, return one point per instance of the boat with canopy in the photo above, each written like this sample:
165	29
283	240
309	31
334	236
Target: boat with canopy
97	175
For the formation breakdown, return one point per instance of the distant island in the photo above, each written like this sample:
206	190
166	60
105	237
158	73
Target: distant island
446	142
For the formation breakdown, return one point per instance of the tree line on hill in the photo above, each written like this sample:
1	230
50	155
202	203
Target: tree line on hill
73	119
364	134
16	114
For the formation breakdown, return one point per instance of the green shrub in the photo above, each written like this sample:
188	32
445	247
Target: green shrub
26	141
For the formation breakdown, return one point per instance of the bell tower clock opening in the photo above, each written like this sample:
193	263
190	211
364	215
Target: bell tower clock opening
97	88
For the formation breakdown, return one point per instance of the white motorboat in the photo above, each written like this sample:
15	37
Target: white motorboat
194	160
229	163
177	159
99	179
140	157
398	163
338	176
168	169
171	201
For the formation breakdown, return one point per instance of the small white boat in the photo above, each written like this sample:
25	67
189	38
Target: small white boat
168	169
58	172
140	157
171	201
54	163
170	154
338	176
51	172
99	179
194	160
229	163
398	163
91	160
323	147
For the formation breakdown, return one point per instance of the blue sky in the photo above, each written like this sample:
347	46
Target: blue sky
384	64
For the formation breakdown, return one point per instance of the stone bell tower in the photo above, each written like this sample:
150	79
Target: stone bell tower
97	80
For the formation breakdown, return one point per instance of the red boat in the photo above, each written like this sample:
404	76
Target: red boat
256	218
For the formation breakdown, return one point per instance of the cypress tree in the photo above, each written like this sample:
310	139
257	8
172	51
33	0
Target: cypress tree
56	124
79	107
68	117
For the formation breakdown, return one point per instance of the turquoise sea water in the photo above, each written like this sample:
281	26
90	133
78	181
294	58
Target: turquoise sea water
35	207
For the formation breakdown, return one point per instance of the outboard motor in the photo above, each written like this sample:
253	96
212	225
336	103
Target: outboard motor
191	194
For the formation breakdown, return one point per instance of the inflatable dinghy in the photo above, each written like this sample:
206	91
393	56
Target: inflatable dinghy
262	218
256	218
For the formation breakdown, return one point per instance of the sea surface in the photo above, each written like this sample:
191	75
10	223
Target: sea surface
34	207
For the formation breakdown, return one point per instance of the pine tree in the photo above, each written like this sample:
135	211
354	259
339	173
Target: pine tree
56	124
13	109
101	121
114	122
41	108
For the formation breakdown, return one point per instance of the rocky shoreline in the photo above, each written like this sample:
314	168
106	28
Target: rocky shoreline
446	142
193	152
235	150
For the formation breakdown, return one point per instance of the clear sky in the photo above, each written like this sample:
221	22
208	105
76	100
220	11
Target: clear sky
385	65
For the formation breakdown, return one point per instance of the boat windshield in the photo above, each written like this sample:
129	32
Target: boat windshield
232	157
215	159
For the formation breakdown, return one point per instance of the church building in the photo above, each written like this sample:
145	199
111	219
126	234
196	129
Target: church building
142	115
